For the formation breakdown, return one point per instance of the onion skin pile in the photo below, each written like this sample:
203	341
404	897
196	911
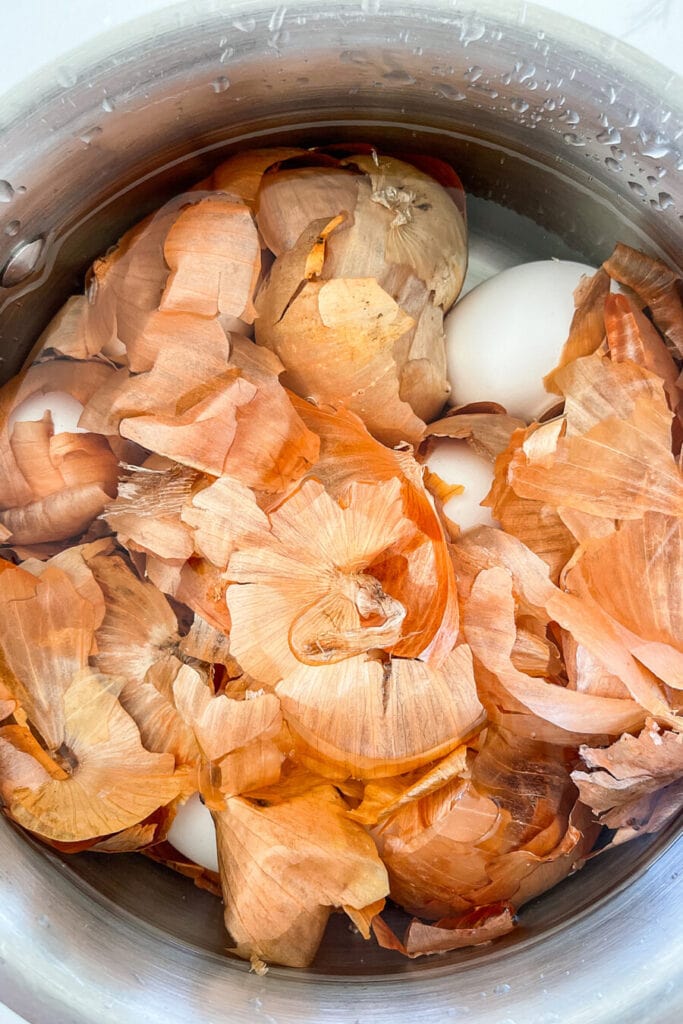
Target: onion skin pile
236	579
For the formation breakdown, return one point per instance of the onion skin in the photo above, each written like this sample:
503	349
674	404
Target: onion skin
507	834
401	240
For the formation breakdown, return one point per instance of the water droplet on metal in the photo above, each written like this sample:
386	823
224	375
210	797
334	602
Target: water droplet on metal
573	140
402	77
519	106
656	151
637	189
549	105
632	118
471	29
227	54
449	92
663	202
502	989
610	137
90	133
486	90
66	76
12	228
108	105
474	73
657	146
6	191
612	164
220	84
569	116
526	73
22	263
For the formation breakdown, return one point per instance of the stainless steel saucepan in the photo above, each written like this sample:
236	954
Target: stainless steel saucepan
566	142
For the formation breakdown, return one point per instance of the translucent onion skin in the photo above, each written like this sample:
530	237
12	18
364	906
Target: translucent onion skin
506	834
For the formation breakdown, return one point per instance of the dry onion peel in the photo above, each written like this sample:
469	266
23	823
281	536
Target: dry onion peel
100	745
536	523
369	717
235	737
241	173
317	551
395	255
46	633
655	284
490	629
473	928
627	783
52	486
634	574
214	254
458	848
587	329
619	469
285	867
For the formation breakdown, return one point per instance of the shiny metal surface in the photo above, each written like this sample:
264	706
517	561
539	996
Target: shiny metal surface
580	139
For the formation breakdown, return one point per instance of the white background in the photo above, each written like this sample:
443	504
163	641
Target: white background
38	31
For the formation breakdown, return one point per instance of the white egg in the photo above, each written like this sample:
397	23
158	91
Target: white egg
506	334
455	462
193	833
66	411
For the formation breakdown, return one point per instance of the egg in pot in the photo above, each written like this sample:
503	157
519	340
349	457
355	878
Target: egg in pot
506	334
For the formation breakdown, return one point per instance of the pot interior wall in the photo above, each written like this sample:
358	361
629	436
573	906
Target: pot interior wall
529	113
525	135
159	899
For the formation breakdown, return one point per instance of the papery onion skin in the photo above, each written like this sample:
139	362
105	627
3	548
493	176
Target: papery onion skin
509	833
395	258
